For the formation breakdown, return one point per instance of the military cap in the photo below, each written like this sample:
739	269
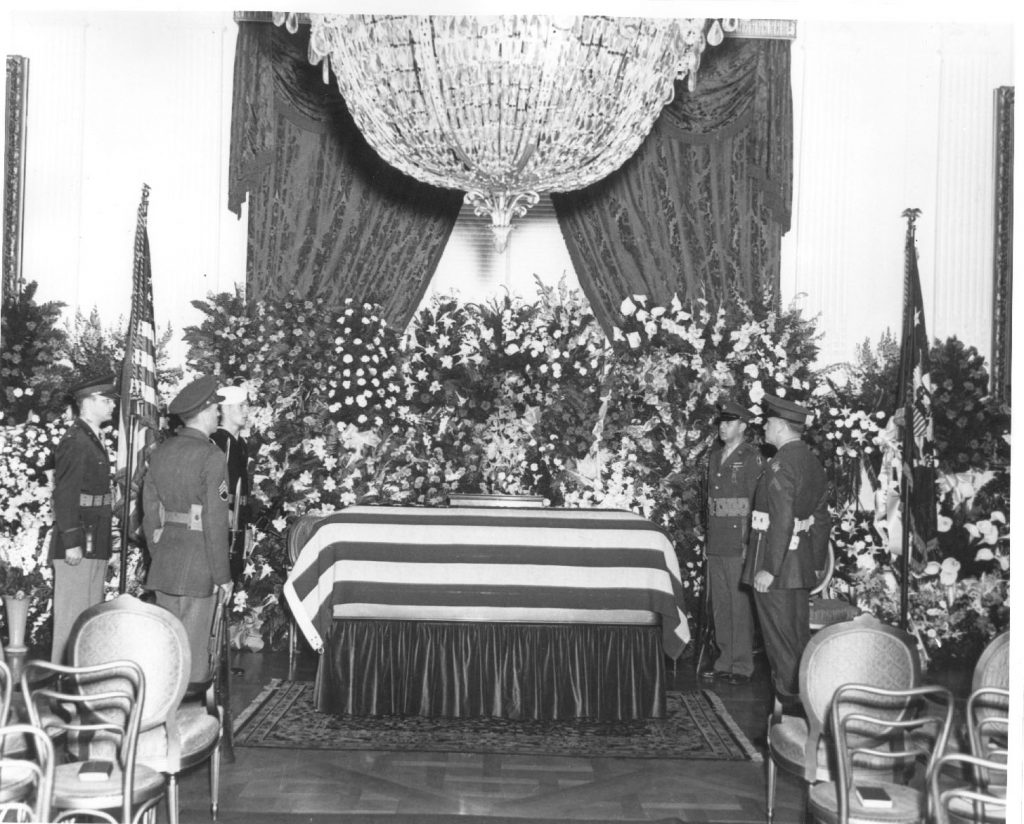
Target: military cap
732	411
233	394
195	397
787	410
105	385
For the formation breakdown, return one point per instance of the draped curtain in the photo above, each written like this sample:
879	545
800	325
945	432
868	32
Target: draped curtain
327	216
701	208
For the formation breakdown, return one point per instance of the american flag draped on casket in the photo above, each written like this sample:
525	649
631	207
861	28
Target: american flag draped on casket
499	565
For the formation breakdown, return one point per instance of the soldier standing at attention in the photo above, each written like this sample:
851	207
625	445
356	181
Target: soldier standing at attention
185	519
234	415
80	543
734	468
788	543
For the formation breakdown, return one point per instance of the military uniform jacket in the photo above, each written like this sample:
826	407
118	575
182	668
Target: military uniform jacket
236	458
731	486
81	470
186	481
793	488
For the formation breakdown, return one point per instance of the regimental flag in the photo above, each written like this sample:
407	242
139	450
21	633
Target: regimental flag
139	419
914	401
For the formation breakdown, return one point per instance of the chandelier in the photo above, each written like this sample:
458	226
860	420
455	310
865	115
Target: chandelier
506	107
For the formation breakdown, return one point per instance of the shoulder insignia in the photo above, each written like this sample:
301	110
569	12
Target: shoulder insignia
223	490
775	466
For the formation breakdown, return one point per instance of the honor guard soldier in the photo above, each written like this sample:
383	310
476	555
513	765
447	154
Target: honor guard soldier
80	543
788	545
234	415
185	519
734	468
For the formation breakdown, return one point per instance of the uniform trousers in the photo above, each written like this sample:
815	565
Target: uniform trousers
784	615
733	615
197	616
75	588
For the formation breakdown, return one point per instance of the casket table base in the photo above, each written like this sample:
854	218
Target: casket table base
467	612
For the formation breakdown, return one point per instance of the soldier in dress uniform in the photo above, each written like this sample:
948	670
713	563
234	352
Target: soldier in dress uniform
185	519
734	468
788	545
80	543
234	415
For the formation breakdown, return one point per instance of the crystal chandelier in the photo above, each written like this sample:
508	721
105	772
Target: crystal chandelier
506	107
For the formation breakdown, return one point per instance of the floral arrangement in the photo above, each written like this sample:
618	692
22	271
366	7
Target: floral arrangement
959	599
529	397
26	516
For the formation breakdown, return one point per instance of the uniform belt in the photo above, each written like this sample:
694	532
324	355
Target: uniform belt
802	524
243	500
759	522
193	519
95	500
729	507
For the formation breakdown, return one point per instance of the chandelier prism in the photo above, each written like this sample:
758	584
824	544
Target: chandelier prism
506	107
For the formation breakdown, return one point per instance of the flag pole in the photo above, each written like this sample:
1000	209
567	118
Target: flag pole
132	389
908	428
126	502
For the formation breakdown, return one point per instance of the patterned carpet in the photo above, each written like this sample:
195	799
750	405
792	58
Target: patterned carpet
697	727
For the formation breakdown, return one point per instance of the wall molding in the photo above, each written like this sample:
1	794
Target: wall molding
14	177
1002	283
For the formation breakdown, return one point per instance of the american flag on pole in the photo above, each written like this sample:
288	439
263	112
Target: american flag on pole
914	400
139	419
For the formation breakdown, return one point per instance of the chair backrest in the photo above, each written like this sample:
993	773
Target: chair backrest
873	726
965	801
825	578
127	628
6	688
299	533
99	706
861	651
26	779
993	667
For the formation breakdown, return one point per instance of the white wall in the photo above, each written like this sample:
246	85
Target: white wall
116	100
888	116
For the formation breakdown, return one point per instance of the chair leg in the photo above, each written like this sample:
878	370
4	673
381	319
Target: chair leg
214	782
226	722
293	648
770	796
172	798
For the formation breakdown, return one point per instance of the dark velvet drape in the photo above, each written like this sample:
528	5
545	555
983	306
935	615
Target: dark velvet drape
327	216
701	208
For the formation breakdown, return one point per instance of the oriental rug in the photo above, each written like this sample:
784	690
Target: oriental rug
696	726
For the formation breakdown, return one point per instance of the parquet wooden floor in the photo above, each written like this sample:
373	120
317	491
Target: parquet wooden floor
290	786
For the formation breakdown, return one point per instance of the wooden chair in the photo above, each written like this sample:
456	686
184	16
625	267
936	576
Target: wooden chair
824	610
98	709
877	728
26	774
965	801
298	534
863	651
6	690
993	667
174	735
